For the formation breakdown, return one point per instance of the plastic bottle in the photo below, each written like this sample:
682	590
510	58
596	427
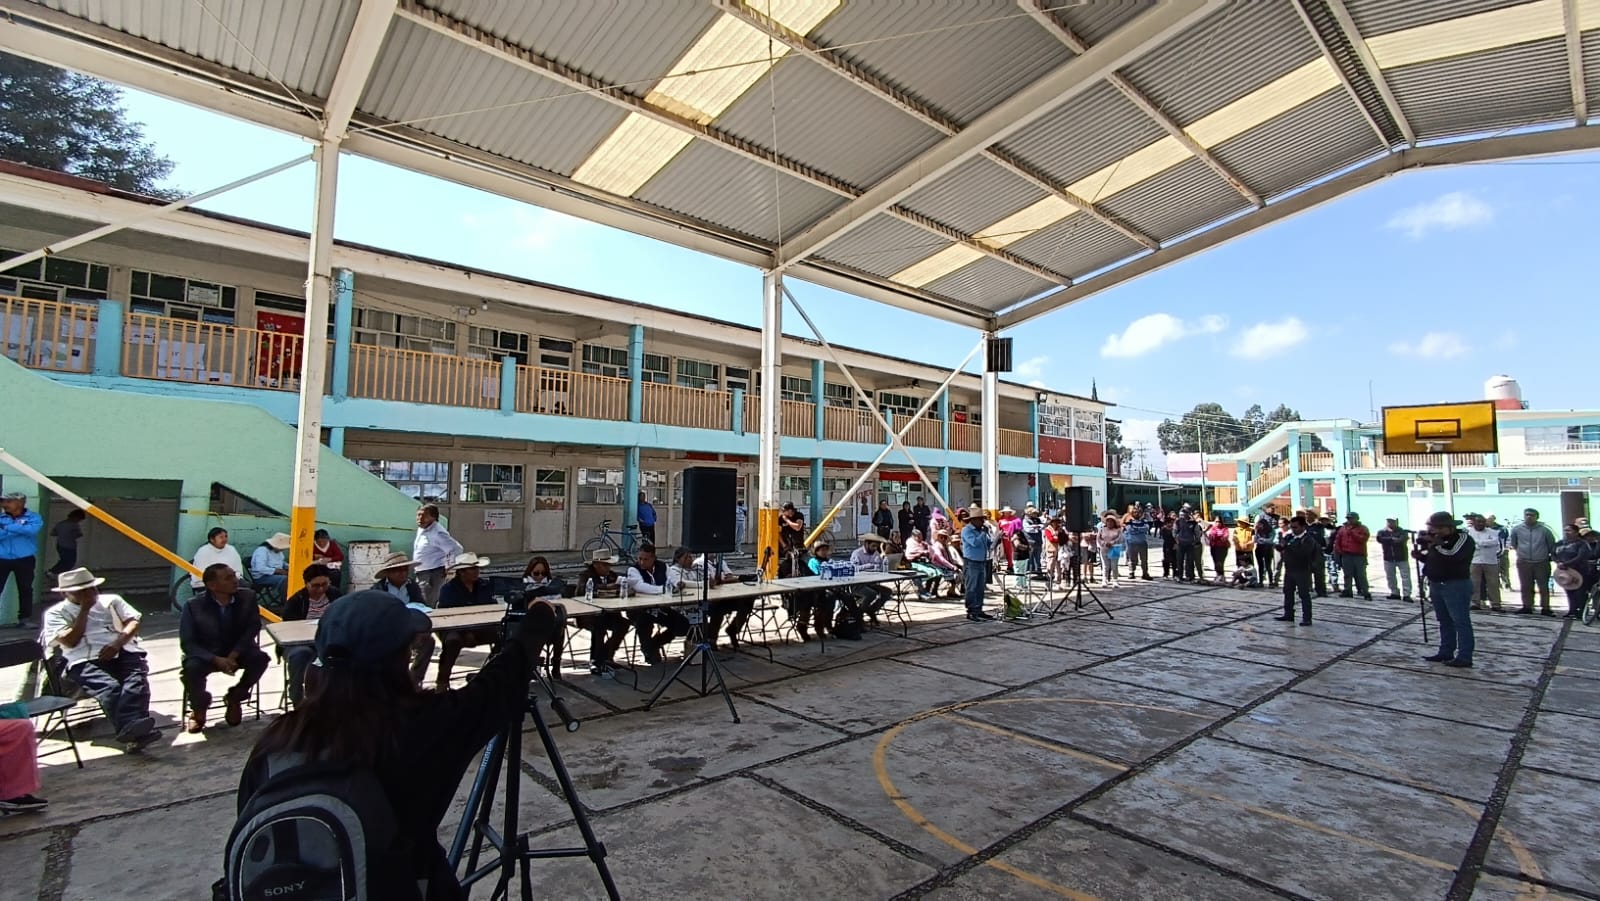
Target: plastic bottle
588	590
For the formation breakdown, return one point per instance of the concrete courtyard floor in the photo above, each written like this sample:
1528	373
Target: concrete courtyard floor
1189	747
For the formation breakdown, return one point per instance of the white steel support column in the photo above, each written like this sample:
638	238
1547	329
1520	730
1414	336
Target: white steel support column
771	420
990	429
313	361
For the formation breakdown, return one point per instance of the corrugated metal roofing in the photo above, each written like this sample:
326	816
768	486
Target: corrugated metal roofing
1177	201
990	284
883	246
977	193
1093	22
1375	17
1100	127
714	185
1076	245
1472	94
1300	146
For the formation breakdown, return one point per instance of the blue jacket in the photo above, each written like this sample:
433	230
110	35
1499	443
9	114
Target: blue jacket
19	536
1138	532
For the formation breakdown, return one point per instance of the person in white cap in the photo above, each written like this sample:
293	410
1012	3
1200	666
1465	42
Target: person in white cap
19	540
269	565
98	635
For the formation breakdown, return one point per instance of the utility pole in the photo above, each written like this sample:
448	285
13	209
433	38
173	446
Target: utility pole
1200	442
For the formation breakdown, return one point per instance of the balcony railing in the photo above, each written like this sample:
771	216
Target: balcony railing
926	433
1016	443
964	436
1320	461
558	392
209	353
1412	462
695	408
1270	476
419	377
799	419
1225	494
44	334
851	424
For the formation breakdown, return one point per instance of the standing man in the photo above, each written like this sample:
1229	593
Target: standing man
1033	531
921	517
217	634
19	547
1485	562
1318	530
98	634
1301	553
647	520
1448	566
741	516
1396	561
1267	545
883	520
431	552
68	532
976	546
1350	543
1505	551
1534	543
1137	537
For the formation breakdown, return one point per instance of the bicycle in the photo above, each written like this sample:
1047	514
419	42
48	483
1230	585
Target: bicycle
607	539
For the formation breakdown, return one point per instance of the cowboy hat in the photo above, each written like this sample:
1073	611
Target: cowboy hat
1008	510
1568	579
604	555
467	561
395	561
976	511
279	541
874	536
77	580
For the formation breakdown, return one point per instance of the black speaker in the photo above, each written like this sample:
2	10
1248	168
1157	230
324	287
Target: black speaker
710	494
1079	510
997	355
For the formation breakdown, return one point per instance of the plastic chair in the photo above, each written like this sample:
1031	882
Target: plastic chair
54	704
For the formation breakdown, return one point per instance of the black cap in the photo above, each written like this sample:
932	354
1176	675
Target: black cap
1443	518
367	628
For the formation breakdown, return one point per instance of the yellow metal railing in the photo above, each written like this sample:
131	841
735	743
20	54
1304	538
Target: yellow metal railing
558	392
419	377
44	334
695	408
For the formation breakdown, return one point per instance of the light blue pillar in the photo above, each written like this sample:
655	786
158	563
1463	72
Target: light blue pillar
944	485
816	491
1341	488
1033	426
819	371
944	432
635	387
738	411
1241	481
108	338
508	385
336	439
344	311
630	486
1292	451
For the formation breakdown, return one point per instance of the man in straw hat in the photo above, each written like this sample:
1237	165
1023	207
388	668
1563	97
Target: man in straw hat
219	633
269	564
976	546
467	588
394	577
98	635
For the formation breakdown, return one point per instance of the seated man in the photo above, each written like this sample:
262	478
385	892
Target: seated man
648	576
269	566
306	604
868	558
394	576
693	571
467	589
608	628
217	634
97	634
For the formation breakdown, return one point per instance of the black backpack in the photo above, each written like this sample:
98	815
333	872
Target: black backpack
848	624
316	832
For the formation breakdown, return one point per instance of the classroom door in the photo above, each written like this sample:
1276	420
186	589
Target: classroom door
547	528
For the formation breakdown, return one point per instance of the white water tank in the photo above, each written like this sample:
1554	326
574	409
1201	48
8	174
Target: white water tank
1504	391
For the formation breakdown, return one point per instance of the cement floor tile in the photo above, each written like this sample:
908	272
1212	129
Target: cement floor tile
1020	782
1095	635
1499	888
1000	659
1520	640
738	671
1305	828
1462	700
1454	758
1226	681
1584	638
1564	744
869	695
1345	635
1580	664
1108	719
1161	619
1570	694
179	853
950	633
872	646
1553	818
731	839
537	807
621	759
1081	858
1281	647
1384	617
1487	666
22	861
1209	605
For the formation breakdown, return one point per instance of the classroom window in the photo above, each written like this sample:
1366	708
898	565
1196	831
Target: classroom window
384	328
835	395
55	278
904	404
182	298
795	388
491	483
611	362
426	482
737	378
494	343
695	374
657	369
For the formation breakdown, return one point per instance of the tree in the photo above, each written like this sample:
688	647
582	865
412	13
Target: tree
1221	432
1113	439
60	120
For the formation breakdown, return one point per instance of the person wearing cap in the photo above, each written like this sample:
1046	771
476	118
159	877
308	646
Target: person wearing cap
1447	564
466	588
1033	532
1505	550
1266	526
98	634
432	551
607	629
19	549
366	712
976	546
394	579
1136	538
269	565
308	604
1350	544
1534	544
216	550
1485	562
218	633
1396	559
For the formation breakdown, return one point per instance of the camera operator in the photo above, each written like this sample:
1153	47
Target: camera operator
366	713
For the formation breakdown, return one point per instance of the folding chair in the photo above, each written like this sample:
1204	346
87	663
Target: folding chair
53	704
252	700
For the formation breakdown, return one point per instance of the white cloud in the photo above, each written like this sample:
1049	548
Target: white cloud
1031	369
1449	212
1149	333
1432	346
1269	339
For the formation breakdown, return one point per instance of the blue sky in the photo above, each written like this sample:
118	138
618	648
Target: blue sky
1423	285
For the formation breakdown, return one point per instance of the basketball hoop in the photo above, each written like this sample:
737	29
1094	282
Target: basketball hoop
1442	429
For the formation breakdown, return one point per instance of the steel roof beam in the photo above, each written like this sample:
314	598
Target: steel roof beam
1580	92
829	59
1369	63
1016	112
1481	150
486	42
1040	13
355	65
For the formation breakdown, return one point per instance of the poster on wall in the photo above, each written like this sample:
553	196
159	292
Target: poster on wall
497	520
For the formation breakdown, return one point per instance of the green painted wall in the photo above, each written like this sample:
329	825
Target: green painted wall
78	435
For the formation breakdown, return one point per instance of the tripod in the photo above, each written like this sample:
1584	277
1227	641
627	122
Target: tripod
1076	592
702	648
512	852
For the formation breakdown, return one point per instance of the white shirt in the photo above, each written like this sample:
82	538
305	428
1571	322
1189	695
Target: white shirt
866	560
1486	545
434	548
638	585
700	567
679	578
210	553
99	631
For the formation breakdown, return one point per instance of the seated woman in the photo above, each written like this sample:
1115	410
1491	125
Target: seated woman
919	553
216	550
467	589
540	582
325	550
19	767
946	557
306	604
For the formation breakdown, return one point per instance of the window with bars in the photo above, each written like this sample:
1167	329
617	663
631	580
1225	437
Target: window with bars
182	298
794	388
494	343
603	487
405	331
55	278
1559	439
696	374
490	483
426	482
904	404
794	483
657	368
555	353
737	377
611	362
1549	484
841	395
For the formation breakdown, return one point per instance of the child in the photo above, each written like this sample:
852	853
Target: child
1244	576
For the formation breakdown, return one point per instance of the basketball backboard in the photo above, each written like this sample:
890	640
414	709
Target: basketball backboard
1464	428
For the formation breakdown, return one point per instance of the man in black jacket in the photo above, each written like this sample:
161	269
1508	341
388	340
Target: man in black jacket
1447	565
217	634
1301	555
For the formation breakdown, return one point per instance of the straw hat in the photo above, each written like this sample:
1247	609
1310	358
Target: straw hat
874	536
467	561
604	555
77	580
1568	579
395	561
975	512
279	541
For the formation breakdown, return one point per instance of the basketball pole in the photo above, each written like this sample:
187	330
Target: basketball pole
1443	450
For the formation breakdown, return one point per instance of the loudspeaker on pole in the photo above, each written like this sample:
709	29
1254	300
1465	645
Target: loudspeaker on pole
1078	511
709	517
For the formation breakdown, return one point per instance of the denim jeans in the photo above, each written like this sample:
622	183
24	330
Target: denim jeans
121	685
1138	560
975	572
1452	606
1398	574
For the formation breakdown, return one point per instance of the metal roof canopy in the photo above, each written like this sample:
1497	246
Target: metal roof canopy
983	161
